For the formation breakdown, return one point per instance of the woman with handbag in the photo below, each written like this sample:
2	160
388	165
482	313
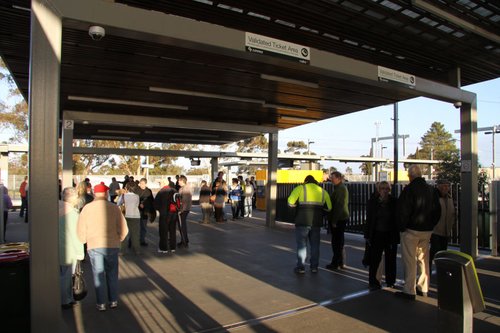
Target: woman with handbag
70	247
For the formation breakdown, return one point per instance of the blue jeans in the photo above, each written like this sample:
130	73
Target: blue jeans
305	235
105	272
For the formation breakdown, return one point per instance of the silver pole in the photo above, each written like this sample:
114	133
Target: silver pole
2	239
494	216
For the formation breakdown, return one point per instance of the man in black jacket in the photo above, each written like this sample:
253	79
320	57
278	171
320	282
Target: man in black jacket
418	212
164	204
146	207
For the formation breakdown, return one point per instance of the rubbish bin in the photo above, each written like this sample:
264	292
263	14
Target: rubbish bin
459	292
14	287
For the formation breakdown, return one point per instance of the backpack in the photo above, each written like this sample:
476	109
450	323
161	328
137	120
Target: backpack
174	202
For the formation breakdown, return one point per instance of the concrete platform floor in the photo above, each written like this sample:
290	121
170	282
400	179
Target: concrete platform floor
238	276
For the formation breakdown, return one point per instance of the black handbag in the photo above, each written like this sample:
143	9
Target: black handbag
79	285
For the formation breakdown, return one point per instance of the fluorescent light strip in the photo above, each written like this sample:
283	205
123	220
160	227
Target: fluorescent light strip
199	135
205	141
109	137
118	132
208	95
456	20
305	120
287	80
21	8
285	107
126	102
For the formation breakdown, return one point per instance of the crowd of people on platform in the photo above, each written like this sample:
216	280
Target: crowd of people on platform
420	220
109	221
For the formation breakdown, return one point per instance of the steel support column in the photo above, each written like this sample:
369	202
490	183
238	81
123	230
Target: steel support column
214	164
469	169
272	175
45	55
396	149
67	153
4	168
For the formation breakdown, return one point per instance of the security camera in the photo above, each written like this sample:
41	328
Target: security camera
457	105
96	32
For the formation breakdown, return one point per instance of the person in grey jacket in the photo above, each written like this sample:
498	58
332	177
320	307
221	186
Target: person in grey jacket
418	212
442	231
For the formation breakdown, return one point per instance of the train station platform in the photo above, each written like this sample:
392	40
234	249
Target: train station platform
238	277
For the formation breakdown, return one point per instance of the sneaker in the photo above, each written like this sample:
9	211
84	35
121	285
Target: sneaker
172	251
299	270
374	286
101	307
162	252
113	305
314	270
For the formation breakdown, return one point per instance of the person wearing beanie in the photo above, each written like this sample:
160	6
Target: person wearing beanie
103	227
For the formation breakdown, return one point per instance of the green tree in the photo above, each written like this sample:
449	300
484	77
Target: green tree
449	168
256	144
13	111
296	147
436	144
366	167
87	164
198	171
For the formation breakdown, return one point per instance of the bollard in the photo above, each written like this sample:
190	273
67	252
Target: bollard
459	292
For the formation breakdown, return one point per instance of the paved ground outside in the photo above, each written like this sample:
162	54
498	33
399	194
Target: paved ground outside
238	276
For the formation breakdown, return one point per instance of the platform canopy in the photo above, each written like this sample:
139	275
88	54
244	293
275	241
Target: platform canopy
211	72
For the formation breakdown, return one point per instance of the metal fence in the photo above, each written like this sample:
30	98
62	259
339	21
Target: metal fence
360	193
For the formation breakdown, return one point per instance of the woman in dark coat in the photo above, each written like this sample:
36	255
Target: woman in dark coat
382	234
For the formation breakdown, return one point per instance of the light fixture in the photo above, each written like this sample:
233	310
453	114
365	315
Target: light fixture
204	141
118	132
195	162
109	137
288	80
304	120
207	95
456	20
175	134
126	102
285	107
21	8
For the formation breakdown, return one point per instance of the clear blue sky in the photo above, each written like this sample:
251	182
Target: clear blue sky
351	135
